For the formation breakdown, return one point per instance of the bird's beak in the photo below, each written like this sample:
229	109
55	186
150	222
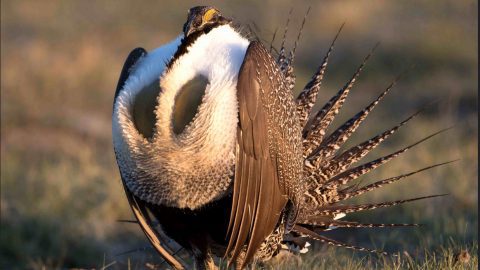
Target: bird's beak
188	29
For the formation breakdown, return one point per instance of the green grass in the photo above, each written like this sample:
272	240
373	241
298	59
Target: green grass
60	189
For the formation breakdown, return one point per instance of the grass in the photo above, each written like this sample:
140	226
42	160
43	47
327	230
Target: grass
61	194
445	258
452	256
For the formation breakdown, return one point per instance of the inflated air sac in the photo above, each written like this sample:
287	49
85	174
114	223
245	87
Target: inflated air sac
187	101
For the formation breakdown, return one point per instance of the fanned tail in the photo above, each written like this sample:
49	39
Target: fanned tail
326	171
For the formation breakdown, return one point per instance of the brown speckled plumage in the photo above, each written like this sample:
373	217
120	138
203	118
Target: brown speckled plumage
269	155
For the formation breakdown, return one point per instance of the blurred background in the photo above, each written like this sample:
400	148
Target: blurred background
61	194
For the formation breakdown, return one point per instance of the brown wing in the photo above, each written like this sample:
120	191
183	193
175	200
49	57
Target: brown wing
139	208
258	196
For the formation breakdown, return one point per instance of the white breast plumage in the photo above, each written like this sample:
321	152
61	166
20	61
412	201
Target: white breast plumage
156	169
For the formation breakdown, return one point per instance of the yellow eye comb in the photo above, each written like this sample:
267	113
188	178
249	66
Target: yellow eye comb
208	15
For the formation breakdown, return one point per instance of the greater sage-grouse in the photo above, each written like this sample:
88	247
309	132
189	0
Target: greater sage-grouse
217	156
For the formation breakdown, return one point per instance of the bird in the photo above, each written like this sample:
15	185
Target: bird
217	156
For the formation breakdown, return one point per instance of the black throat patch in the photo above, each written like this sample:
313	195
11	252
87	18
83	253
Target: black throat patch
187	42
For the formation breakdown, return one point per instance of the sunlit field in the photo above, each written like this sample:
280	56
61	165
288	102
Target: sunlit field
61	194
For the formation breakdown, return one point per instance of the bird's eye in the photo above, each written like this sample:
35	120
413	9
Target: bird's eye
187	103
197	23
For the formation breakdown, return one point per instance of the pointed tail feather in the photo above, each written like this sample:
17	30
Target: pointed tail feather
333	142
350	224
304	231
356	172
288	72
347	194
327	221
346	209
281	56
314	135
344	160
273	39
308	96
292	54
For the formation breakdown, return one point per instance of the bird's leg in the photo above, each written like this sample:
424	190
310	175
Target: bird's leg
210	263
204	260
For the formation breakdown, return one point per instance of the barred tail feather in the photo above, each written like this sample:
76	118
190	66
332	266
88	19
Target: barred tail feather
308	96
346	209
292	53
344	160
327	168
313	235
288	71
319	222
333	142
352	174
350	224
281	56
313	135
347	193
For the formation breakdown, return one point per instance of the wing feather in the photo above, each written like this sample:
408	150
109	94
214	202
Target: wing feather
258	200
132	59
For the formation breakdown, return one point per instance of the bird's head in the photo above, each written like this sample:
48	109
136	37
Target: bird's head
203	19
